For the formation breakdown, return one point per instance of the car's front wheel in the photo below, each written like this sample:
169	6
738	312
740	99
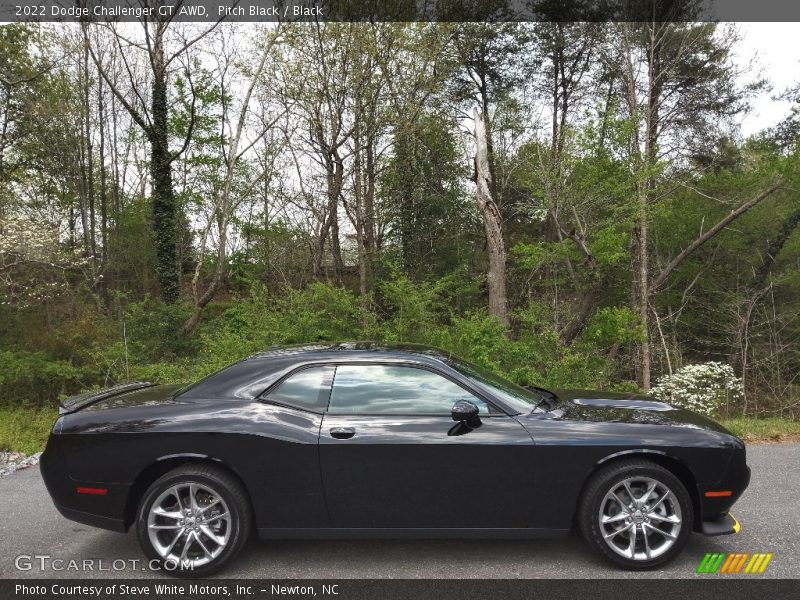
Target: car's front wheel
636	513
193	520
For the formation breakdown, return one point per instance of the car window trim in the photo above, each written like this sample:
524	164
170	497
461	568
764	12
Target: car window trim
325	392
413	365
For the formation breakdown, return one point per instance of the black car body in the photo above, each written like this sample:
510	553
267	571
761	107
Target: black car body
308	471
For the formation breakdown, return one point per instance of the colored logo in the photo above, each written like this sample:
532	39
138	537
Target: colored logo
732	563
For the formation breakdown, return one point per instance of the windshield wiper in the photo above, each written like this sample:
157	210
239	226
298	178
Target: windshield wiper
547	397
544	400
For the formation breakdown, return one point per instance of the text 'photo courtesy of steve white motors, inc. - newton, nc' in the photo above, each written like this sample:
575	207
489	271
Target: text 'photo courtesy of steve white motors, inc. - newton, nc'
188	590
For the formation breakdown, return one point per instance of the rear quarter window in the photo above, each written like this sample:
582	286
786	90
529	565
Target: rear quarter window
306	389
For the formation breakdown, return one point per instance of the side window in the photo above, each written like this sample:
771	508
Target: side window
307	389
395	390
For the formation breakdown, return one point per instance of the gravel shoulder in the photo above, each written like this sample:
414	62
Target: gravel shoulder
10	462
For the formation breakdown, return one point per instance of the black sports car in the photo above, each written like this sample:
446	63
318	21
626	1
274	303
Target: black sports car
367	440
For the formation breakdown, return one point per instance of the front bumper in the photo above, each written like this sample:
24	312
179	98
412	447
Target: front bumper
722	525
734	481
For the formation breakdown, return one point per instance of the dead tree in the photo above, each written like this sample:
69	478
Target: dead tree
493	223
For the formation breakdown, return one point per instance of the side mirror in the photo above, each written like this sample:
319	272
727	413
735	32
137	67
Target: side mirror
464	410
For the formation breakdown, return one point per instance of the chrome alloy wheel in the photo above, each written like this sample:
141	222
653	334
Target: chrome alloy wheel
189	523
640	518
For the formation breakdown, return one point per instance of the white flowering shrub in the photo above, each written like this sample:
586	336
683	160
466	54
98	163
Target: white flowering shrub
33	260
703	388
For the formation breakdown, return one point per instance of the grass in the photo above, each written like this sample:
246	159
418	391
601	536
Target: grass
25	429
764	430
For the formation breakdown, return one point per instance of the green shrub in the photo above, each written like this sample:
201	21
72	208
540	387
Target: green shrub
152	330
35	376
24	428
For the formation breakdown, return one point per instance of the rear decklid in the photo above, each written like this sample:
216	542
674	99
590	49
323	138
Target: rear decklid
75	403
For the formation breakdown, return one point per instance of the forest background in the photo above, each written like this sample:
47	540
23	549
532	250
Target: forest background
572	205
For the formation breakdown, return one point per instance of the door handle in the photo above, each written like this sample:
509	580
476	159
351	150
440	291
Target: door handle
343	433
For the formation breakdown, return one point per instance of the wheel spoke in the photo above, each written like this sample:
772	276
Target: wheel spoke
630	492
214	502
189	540
660	500
169	514
647	552
157	526
650	489
664	518
206	551
177	493
632	542
218	540
616	532
666	534
172	544
614	518
193	497
622	505
215	518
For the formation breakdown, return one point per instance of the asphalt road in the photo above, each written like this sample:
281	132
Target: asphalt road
769	512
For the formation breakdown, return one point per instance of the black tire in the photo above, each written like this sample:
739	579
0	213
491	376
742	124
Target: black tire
607	479
221	483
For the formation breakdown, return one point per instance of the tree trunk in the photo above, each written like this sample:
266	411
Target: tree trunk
89	163
103	190
641	274
496	274
331	230
774	248
358	193
165	229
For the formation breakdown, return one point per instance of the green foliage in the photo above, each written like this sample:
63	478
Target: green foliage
478	338
609	246
431	217
614	325
320	312
411	307
34	376
25	429
152	330
540	254
763	430
77	312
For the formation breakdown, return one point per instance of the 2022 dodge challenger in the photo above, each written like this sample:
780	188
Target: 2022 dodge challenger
366	440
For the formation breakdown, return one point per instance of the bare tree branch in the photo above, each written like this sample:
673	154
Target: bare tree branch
722	224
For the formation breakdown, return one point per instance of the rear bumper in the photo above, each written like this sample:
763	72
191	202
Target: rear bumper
722	525
93	520
106	511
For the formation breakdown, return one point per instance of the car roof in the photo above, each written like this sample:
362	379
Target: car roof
247	378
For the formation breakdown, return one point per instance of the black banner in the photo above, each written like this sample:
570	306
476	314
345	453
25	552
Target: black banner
398	10
445	589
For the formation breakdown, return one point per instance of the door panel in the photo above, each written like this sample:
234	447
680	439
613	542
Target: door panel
412	471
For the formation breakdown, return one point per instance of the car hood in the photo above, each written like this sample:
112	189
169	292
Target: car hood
613	407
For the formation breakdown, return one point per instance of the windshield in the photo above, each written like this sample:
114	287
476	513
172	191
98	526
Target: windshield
518	398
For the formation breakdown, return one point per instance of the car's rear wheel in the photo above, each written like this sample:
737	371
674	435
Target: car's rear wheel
636	513
193	520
